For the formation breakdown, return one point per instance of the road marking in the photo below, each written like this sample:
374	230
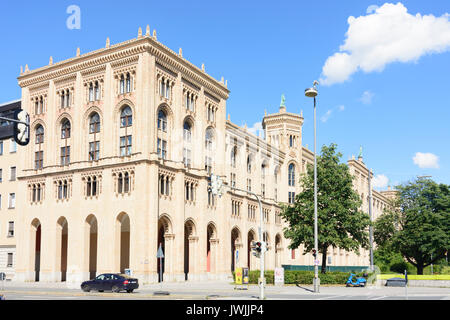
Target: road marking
378	298
331	297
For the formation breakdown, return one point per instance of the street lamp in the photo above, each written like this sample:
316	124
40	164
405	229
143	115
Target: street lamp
312	93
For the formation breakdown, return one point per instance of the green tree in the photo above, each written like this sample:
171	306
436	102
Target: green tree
422	233
341	223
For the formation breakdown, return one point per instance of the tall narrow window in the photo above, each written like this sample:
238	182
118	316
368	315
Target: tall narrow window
122	84
291	175
11	229
128	83
233	157
120	183
91	92
126	182
13	174
88	186
209	139
94	186
12	200
97	91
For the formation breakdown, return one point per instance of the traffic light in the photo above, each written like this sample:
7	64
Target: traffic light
256	248
22	128
314	252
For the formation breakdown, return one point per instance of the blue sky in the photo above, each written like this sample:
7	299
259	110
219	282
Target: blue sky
395	102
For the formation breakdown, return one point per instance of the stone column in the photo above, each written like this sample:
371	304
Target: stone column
193	258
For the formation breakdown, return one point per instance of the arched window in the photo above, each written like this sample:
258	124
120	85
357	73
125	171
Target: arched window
187	132
126	117
162	121
94	123
249	164
39	134
291	175
65	129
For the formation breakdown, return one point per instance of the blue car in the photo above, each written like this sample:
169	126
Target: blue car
114	282
355	282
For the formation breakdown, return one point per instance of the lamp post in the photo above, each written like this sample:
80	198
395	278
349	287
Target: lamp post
312	93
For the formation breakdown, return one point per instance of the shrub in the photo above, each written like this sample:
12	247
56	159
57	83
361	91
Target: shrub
301	277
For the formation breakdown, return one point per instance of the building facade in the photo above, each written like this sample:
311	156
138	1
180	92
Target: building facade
123	141
9	186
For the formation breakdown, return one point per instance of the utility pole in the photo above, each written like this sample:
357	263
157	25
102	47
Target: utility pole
371	218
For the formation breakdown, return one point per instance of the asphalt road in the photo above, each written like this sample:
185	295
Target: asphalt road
228	292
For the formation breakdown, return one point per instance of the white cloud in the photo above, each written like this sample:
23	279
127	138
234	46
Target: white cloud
257	129
366	97
372	8
426	160
380	181
326	116
385	35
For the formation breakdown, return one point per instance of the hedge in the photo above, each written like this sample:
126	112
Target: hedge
300	277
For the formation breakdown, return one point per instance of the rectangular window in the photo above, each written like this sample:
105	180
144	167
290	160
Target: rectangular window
0	201
162	149
9	263
233	180
293	254
1	148
11	229
249	185
13	174
12	200
13	146
187	157
65	156
1	175
125	146
38	160
94	150
208	165
291	197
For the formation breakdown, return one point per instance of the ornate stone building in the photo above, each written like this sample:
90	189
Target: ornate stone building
123	140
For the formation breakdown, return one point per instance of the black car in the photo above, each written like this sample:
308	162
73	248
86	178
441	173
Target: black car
111	282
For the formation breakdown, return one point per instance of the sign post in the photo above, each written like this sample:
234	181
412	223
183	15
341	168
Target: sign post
279	276
160	256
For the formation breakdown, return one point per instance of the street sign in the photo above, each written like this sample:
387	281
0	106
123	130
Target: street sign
160	253
316	262
279	276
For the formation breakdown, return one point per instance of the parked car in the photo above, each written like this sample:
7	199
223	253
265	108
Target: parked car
114	282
